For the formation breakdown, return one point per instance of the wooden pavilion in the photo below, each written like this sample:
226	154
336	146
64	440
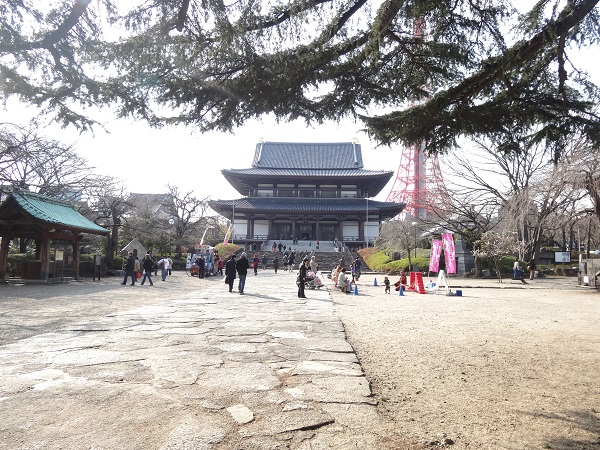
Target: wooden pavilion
42	219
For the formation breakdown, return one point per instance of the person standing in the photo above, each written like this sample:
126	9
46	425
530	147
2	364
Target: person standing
242	267
130	269
230	272
314	265
291	260
516	269
356	270
302	277
276	263
137	268
255	263
170	265
148	266
164	265
201	264
531	267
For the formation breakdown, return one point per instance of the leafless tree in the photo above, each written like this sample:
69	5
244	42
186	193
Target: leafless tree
189	216
33	162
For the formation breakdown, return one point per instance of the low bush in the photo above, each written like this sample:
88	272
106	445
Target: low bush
374	259
225	251
15	262
395	267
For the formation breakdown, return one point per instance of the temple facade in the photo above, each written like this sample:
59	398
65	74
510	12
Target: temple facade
308	192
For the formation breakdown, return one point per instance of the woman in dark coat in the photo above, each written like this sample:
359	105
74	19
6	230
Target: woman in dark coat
230	272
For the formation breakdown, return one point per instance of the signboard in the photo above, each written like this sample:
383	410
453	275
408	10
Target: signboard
562	257
58	255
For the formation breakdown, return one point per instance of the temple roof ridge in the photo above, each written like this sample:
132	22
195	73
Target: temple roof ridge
308	155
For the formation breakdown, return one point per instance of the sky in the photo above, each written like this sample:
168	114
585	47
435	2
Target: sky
146	159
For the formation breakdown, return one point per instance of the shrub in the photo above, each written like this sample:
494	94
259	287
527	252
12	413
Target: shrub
226	251
16	260
395	267
373	258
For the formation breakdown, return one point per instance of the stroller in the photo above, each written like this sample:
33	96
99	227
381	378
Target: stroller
312	281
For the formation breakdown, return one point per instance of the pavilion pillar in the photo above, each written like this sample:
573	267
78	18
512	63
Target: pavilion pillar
247	230
44	252
317	230
294	231
361	230
250	233
270	229
4	243
76	257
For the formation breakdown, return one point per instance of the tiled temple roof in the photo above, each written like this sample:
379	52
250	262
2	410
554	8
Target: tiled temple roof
306	206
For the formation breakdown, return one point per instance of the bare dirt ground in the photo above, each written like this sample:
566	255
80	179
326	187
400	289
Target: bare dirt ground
506	366
516	367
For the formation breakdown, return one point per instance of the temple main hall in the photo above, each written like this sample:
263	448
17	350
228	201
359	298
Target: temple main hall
307	192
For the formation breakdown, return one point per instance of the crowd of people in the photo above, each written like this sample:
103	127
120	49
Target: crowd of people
237	268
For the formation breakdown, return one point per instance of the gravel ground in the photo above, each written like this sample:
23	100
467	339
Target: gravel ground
502	366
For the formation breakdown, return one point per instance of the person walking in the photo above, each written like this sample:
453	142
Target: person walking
531	267
164	265
264	261
255	263
148	266
302	277
230	272
129	269
242	267
276	263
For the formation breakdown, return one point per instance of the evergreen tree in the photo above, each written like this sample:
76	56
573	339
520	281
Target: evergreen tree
215	64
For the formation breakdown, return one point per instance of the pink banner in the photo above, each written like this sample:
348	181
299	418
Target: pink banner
229	230
449	252
436	251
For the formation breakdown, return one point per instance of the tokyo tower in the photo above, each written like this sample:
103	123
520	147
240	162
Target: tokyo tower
419	182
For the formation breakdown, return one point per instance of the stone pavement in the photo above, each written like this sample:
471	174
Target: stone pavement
181	365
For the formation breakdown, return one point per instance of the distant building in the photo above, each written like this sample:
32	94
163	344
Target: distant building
307	191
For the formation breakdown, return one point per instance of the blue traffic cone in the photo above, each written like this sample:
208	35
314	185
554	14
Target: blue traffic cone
401	292
375	282
355	289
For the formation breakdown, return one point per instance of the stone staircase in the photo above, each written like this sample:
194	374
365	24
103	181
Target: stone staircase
327	260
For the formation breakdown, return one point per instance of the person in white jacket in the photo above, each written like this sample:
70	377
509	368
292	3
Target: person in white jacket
342	282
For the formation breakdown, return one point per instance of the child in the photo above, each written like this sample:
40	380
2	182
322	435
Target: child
386	281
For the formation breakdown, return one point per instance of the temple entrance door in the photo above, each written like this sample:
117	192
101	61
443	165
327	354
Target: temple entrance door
283	231
327	232
307	232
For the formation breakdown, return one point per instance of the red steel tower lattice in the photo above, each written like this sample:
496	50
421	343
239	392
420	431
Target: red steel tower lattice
419	182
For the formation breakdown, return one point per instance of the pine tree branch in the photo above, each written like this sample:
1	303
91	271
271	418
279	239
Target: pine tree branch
409	125
55	36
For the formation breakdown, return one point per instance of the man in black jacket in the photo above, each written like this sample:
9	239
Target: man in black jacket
129	266
230	272
242	270
302	277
